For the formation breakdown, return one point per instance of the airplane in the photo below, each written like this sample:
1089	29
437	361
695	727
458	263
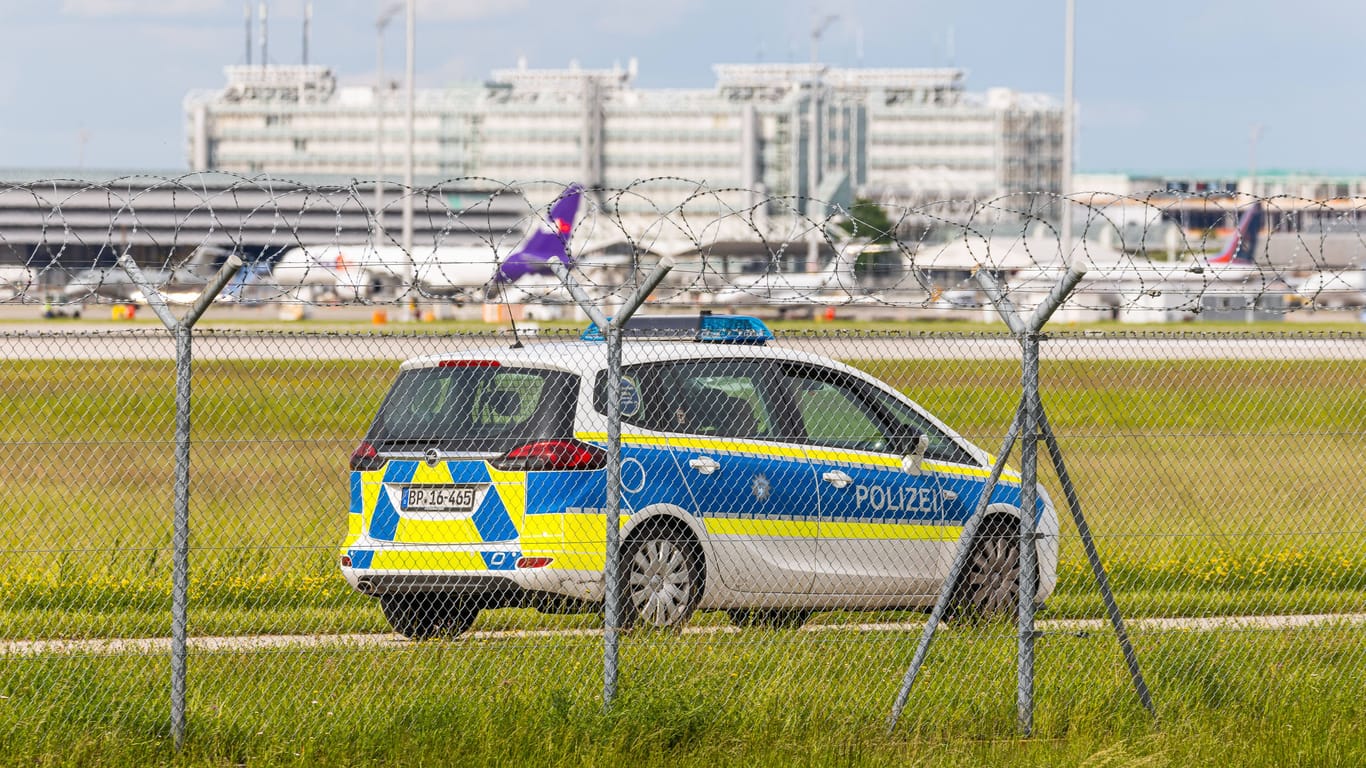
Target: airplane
1330	289
789	291
1342	286
364	272
1132	288
1117	284
180	284
15	282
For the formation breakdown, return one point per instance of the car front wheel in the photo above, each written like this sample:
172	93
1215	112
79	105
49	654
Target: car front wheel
990	582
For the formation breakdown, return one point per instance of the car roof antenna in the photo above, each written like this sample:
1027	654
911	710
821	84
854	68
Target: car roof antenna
516	339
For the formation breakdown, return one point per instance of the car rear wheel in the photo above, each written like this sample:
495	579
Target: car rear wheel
990	582
773	618
422	615
661	579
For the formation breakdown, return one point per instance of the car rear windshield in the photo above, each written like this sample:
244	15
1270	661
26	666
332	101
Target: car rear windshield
484	409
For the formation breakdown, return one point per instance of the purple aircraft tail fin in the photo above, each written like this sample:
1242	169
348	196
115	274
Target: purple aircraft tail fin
548	241
1242	246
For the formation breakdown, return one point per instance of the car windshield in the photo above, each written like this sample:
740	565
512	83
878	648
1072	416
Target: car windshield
485	409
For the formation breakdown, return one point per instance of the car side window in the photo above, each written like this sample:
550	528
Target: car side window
720	398
714	398
941	447
833	413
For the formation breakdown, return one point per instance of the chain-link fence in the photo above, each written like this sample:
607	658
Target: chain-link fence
337	536
1222	475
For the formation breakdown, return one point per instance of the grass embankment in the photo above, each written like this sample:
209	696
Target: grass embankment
1214	487
752	698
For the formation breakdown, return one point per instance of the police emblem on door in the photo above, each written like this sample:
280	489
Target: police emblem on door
760	488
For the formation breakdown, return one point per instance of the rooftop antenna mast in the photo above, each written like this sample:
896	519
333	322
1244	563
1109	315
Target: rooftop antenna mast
308	21
264	60
246	13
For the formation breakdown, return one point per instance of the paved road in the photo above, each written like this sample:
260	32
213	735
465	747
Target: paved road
250	643
154	345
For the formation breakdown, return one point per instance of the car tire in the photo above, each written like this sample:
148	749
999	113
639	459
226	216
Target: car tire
423	615
772	618
661	579
989	584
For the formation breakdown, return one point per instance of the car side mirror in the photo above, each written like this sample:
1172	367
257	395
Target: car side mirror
910	463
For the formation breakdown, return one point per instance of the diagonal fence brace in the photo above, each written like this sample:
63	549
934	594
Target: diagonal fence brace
1030	421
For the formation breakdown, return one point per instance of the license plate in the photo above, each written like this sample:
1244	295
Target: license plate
438	498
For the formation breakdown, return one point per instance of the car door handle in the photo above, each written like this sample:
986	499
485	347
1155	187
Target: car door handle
704	464
837	478
948	495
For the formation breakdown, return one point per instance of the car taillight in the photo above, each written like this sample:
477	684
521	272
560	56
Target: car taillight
551	454
365	458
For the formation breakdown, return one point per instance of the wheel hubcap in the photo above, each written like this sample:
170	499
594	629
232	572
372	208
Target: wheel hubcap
993	576
659	583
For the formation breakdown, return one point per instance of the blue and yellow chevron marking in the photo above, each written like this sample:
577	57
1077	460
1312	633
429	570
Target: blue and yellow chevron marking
496	519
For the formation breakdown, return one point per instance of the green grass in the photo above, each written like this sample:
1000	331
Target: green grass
750	698
1214	487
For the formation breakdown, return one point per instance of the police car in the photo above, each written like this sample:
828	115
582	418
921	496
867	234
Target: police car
766	482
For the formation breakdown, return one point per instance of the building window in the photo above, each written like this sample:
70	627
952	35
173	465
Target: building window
301	145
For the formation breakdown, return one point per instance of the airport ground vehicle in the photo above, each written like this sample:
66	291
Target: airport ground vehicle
763	481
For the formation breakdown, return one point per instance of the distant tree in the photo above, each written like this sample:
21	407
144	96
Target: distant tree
869	220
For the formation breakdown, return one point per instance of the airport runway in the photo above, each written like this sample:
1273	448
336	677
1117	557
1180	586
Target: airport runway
153	344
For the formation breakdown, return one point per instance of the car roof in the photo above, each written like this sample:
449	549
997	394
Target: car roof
585	357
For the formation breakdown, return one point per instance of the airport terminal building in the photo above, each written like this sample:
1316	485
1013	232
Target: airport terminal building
904	136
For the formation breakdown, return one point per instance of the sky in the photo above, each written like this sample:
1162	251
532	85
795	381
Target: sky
1163	86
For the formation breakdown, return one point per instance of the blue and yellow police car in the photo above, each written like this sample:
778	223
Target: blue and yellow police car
766	482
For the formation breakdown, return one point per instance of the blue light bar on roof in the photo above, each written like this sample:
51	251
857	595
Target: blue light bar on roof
706	327
733	329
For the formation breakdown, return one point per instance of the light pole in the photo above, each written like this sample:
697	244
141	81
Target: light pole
410	118
1255	136
381	23
1068	117
813	145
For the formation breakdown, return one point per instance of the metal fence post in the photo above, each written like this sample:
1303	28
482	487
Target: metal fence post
180	537
1027	423
612	334
612	566
183	331
1029	454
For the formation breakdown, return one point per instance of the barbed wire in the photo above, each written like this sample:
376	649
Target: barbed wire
1155	256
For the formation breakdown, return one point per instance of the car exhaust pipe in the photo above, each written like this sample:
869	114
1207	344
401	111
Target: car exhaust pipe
365	587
